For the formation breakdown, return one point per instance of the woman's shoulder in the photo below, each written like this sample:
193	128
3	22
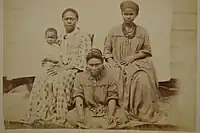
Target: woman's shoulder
83	33
141	29
118	28
112	73
84	36
80	76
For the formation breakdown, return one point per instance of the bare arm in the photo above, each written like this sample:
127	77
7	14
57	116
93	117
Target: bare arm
79	98
79	106
111	107
112	100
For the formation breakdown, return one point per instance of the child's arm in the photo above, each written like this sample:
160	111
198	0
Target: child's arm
50	58
61	60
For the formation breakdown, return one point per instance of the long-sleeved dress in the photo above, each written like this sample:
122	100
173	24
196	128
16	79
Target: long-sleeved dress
139	91
51	95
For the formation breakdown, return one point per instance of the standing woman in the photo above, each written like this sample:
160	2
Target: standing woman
51	96
127	48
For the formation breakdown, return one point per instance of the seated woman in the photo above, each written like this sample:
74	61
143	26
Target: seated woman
127	48
96	96
51	96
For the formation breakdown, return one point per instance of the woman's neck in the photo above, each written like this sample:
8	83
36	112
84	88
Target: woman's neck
129	30
68	31
129	25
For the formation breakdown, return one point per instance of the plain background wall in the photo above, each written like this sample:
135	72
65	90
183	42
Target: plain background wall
26	20
184	57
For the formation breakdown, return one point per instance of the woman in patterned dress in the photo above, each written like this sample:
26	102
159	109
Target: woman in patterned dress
51	96
127	48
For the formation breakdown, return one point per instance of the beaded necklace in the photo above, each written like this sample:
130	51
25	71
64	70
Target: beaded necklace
130	34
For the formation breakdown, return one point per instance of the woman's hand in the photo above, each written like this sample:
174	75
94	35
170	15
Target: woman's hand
127	61
82	119
111	110
68	67
111	119
53	70
51	59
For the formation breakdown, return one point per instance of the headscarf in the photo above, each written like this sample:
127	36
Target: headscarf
129	4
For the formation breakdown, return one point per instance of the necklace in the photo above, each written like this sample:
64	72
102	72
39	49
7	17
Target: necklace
130	31
129	34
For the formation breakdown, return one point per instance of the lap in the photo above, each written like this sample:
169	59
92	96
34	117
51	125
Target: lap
47	88
96	122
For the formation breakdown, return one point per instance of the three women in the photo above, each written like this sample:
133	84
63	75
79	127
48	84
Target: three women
96	92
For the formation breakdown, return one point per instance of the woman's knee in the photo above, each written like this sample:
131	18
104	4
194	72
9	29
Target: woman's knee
142	76
121	115
72	116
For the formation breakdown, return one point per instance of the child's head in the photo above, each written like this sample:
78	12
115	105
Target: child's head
51	35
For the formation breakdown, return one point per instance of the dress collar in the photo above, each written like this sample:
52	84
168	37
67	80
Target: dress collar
74	32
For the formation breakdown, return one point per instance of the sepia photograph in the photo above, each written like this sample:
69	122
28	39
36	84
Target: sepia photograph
99	64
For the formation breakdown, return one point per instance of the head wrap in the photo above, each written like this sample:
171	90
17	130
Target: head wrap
94	53
129	4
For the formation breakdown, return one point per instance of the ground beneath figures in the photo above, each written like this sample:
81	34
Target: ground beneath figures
16	101
152	127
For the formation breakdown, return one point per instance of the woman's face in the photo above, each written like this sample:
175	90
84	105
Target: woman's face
70	21
95	66
129	15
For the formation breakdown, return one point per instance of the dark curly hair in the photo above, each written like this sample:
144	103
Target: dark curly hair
51	30
70	10
94	53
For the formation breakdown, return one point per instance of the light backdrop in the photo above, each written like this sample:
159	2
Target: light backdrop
26	20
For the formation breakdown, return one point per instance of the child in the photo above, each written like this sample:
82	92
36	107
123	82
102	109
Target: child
52	50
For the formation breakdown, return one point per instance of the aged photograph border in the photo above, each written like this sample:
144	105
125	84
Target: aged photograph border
2	129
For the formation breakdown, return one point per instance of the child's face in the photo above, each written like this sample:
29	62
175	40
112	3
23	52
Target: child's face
51	37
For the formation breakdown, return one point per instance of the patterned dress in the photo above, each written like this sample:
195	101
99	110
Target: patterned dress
139	87
96	93
51	96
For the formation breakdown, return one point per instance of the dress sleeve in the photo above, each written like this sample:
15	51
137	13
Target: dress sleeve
112	90
79	60
146	48
78	90
108	46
